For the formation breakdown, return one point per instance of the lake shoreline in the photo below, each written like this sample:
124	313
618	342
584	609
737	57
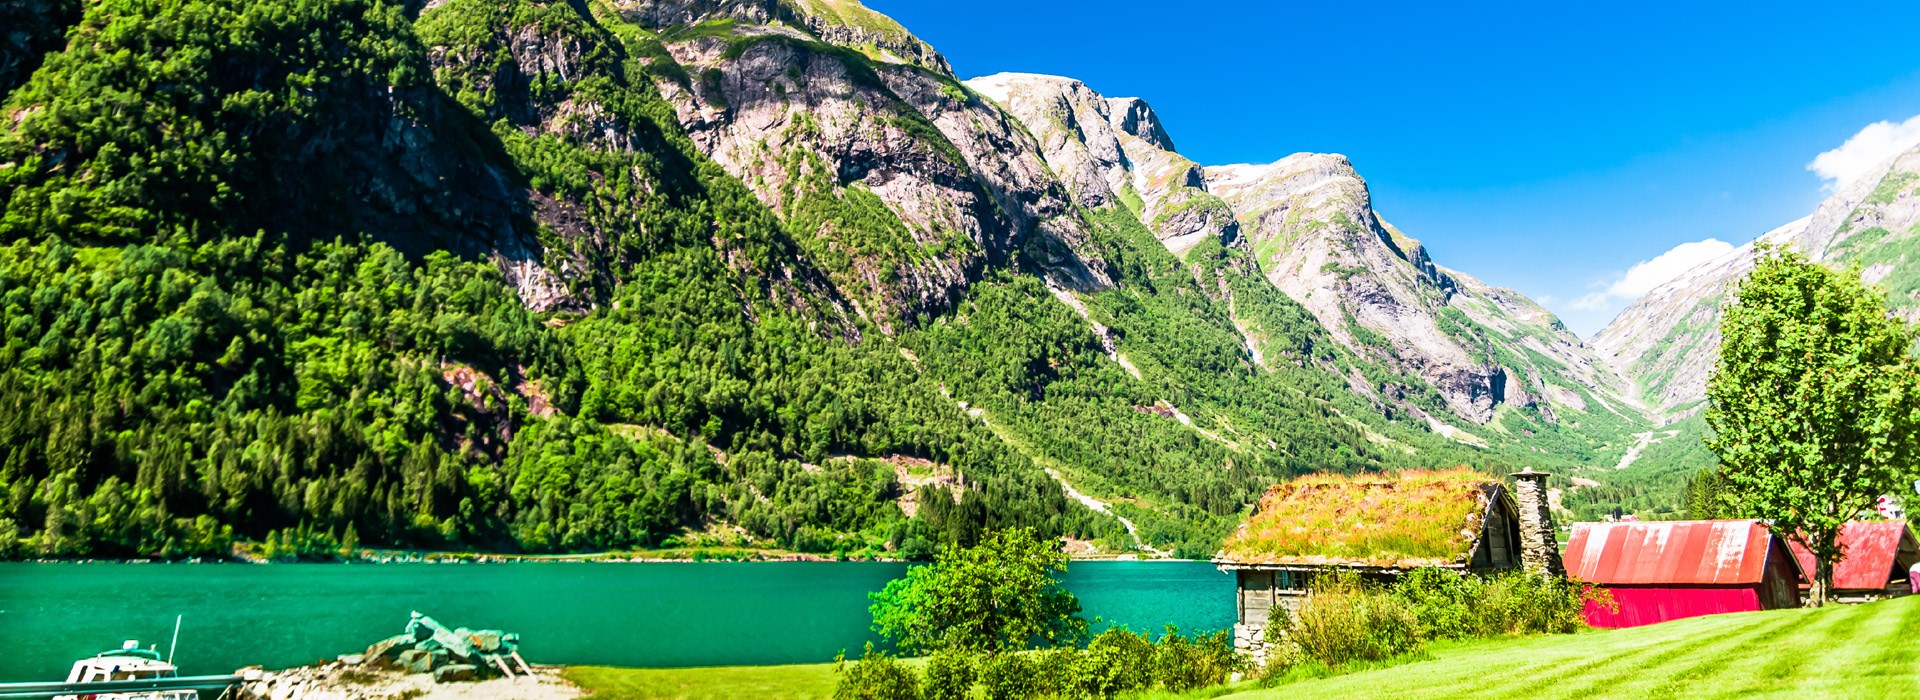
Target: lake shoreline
378	557
637	616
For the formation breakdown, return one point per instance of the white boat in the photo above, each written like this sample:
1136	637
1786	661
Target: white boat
128	663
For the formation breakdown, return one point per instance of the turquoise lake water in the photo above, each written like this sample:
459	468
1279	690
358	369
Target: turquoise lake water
662	615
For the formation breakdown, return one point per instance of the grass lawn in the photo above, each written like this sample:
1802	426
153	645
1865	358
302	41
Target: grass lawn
718	683
1858	651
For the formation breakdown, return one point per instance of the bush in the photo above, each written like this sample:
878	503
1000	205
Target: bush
1116	662
1450	606
950	675
876	677
1282	653
1009	677
1520	603
1343	621
1444	603
1056	673
1180	665
1218	659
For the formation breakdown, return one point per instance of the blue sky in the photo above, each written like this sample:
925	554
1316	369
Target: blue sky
1548	147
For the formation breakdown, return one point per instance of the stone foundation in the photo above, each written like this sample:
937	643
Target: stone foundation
1252	641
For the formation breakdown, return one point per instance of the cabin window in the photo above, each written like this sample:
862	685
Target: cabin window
1291	581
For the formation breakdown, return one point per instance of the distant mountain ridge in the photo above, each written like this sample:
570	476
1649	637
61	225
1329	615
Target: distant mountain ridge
1667	341
1310	226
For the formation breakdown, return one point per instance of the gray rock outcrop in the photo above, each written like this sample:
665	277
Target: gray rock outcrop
1310	224
1115	152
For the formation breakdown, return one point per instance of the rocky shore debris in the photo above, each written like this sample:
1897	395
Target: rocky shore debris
451	655
340	680
416	664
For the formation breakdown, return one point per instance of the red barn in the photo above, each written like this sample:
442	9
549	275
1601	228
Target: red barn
1660	571
1874	562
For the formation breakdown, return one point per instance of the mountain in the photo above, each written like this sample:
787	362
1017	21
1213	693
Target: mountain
1311	226
1667	341
1115	152
1308	223
684	273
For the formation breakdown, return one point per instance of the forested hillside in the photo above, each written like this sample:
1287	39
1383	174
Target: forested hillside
536	277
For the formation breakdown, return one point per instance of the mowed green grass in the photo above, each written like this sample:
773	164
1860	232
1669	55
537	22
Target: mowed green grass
1853	651
718	683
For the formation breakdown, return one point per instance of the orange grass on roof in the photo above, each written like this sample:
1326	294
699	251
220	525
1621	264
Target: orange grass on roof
1403	519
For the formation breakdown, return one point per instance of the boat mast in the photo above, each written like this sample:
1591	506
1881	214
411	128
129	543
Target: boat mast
176	638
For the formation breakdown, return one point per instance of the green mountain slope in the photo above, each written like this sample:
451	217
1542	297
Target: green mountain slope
562	277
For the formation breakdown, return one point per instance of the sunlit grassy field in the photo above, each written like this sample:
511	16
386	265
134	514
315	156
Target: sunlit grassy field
719	683
1861	651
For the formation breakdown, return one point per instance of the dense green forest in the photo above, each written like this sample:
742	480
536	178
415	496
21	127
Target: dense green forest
316	272
204	344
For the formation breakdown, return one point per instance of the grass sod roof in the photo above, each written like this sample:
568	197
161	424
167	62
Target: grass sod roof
1399	520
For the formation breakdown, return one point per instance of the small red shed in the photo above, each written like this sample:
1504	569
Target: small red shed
1660	571
1875	560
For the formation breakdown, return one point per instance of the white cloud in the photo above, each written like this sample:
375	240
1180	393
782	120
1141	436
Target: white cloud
1597	301
1645	275
1872	146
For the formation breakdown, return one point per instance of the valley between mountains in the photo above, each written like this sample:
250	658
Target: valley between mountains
304	275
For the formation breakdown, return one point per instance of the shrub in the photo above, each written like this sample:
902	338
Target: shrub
1009	677
1520	603
1343	621
1218	658
1056	673
950	675
1183	665
1176	661
1282	653
1116	662
1444	603
1448	605
876	677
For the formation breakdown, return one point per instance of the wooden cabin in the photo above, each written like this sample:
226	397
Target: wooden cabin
1660	571
1876	559
1378	526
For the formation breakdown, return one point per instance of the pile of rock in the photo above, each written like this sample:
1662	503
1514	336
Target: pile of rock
451	655
412	665
351	679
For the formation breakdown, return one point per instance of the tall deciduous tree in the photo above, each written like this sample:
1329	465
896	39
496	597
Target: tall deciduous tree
995	597
1814	405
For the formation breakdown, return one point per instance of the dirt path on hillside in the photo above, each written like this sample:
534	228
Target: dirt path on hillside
1099	506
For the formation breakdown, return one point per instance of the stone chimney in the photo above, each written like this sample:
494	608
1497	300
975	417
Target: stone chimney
1539	551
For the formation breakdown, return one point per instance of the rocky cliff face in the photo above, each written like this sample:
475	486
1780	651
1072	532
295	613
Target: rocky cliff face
1309	223
905	185
844	23
1311	226
1668	341
1115	152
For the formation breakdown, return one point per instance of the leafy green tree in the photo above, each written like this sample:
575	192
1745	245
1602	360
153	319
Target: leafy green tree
998	596
1813	406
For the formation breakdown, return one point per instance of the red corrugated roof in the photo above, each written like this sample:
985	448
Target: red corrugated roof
1686	552
1868	551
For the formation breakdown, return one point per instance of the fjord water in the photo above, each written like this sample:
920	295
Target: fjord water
660	615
